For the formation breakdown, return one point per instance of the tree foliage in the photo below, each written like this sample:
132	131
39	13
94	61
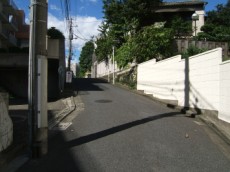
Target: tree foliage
149	43
128	12
192	50
216	27
86	58
123	18
181	27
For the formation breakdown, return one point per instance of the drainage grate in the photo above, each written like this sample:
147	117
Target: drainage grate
62	126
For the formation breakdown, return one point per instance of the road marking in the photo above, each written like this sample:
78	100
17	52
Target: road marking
62	126
198	123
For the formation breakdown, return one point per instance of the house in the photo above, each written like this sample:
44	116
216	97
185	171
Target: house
22	34
184	9
8	24
14	35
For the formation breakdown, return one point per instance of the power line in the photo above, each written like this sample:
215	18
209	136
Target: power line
96	21
78	37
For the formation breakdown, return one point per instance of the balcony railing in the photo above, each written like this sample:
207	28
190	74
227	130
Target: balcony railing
10	7
12	39
12	3
3	16
4	33
13	22
9	38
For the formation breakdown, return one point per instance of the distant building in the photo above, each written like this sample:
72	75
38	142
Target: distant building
184	9
8	24
14	36
73	67
23	32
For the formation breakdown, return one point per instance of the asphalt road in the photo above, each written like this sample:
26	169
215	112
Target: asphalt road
117	130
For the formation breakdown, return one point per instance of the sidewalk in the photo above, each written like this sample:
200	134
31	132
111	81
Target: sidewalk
18	111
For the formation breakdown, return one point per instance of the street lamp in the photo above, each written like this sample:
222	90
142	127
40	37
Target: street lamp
195	17
113	67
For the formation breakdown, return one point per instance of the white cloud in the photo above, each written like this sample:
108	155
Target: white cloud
84	27
27	20
54	7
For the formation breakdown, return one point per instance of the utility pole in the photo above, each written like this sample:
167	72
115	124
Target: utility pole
70	43
37	82
113	67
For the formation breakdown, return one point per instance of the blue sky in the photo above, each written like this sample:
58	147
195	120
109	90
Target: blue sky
87	16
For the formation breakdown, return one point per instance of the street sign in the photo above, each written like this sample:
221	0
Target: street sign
69	77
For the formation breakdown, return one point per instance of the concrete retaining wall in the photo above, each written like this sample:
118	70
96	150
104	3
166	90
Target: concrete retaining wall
102	69
224	113
199	82
6	124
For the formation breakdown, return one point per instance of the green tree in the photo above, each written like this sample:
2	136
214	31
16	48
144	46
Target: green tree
104	48
180	27
216	27
128	12
86	58
149	43
152	43
123	19
124	54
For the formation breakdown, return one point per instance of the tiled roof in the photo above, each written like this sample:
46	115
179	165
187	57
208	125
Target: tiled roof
189	2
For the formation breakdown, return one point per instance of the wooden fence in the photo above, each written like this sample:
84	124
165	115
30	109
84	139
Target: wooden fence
183	44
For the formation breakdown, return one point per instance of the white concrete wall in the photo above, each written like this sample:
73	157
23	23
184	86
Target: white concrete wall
6	125
224	113
104	69
200	81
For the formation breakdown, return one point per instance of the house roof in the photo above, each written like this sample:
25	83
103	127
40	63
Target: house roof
181	6
183	2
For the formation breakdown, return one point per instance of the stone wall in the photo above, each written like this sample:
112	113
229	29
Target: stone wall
6	124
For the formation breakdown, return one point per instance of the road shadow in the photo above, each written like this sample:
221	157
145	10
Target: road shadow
88	84
61	158
113	130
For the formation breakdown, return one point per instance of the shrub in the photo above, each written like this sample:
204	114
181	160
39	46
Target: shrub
191	51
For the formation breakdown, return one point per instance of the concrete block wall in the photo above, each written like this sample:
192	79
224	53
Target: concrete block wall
200	81
156	78
204	80
6	124
224	112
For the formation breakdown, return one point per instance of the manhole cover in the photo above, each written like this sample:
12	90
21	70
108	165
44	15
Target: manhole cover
62	126
103	101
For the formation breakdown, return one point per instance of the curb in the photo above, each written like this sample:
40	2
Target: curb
70	107
218	126
12	161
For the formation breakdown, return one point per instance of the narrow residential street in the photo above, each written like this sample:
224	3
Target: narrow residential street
116	130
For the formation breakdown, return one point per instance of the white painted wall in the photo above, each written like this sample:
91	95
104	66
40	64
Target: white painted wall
224	112
104	68
209	81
